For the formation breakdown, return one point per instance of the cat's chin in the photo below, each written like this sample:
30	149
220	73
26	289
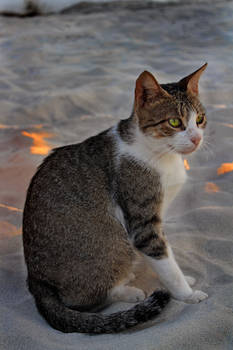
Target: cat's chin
184	152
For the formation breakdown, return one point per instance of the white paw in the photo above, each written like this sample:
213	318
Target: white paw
191	280
131	277
133	295
196	297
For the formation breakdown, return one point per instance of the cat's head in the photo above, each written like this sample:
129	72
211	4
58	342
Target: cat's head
171	113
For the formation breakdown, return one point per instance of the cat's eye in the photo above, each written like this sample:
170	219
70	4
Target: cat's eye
175	122
200	119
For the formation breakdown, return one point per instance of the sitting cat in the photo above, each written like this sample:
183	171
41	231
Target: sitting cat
92	224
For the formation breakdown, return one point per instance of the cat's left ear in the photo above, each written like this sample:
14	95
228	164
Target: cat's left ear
190	83
147	90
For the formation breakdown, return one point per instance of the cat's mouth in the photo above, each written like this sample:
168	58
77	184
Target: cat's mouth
189	150
184	151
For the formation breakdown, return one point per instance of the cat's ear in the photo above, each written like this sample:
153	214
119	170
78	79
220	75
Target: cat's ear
147	89
190	83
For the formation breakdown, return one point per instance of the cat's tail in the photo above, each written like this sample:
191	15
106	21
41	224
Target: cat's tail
68	320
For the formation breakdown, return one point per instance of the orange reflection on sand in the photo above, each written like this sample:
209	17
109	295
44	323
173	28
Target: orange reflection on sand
220	106
7	229
228	125
10	208
225	168
186	164
211	187
40	146
2	126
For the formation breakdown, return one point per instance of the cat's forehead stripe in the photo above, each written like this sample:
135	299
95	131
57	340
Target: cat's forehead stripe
192	119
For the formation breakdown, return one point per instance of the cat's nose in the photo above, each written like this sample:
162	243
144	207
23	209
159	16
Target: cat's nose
196	139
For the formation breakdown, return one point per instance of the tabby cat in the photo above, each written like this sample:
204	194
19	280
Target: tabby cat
92	224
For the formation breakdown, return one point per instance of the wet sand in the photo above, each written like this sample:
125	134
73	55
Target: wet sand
66	77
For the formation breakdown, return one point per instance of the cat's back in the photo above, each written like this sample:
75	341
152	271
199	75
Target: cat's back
67	195
73	173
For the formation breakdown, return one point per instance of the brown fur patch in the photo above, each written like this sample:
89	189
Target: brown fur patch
145	278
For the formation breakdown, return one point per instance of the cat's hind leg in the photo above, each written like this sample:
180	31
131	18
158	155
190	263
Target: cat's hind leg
126	293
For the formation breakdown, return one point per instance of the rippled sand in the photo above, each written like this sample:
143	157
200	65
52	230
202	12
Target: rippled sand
66	77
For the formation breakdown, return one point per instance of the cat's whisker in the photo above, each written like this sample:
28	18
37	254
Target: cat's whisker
206	143
206	147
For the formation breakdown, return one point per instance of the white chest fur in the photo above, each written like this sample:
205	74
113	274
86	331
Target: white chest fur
173	176
170	166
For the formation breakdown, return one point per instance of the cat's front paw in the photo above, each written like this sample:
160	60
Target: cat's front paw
191	280
196	297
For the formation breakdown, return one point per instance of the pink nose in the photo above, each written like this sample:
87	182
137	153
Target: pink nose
196	140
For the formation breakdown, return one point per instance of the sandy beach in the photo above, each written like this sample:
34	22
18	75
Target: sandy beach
66	77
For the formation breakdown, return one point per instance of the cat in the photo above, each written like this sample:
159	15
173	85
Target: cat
92	222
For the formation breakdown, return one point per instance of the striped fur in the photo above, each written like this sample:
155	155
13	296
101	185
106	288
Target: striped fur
93	215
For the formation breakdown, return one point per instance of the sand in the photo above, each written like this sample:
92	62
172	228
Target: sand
66	77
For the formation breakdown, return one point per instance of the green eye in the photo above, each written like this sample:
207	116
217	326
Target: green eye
200	119
175	122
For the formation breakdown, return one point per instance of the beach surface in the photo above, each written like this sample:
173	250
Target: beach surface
66	77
